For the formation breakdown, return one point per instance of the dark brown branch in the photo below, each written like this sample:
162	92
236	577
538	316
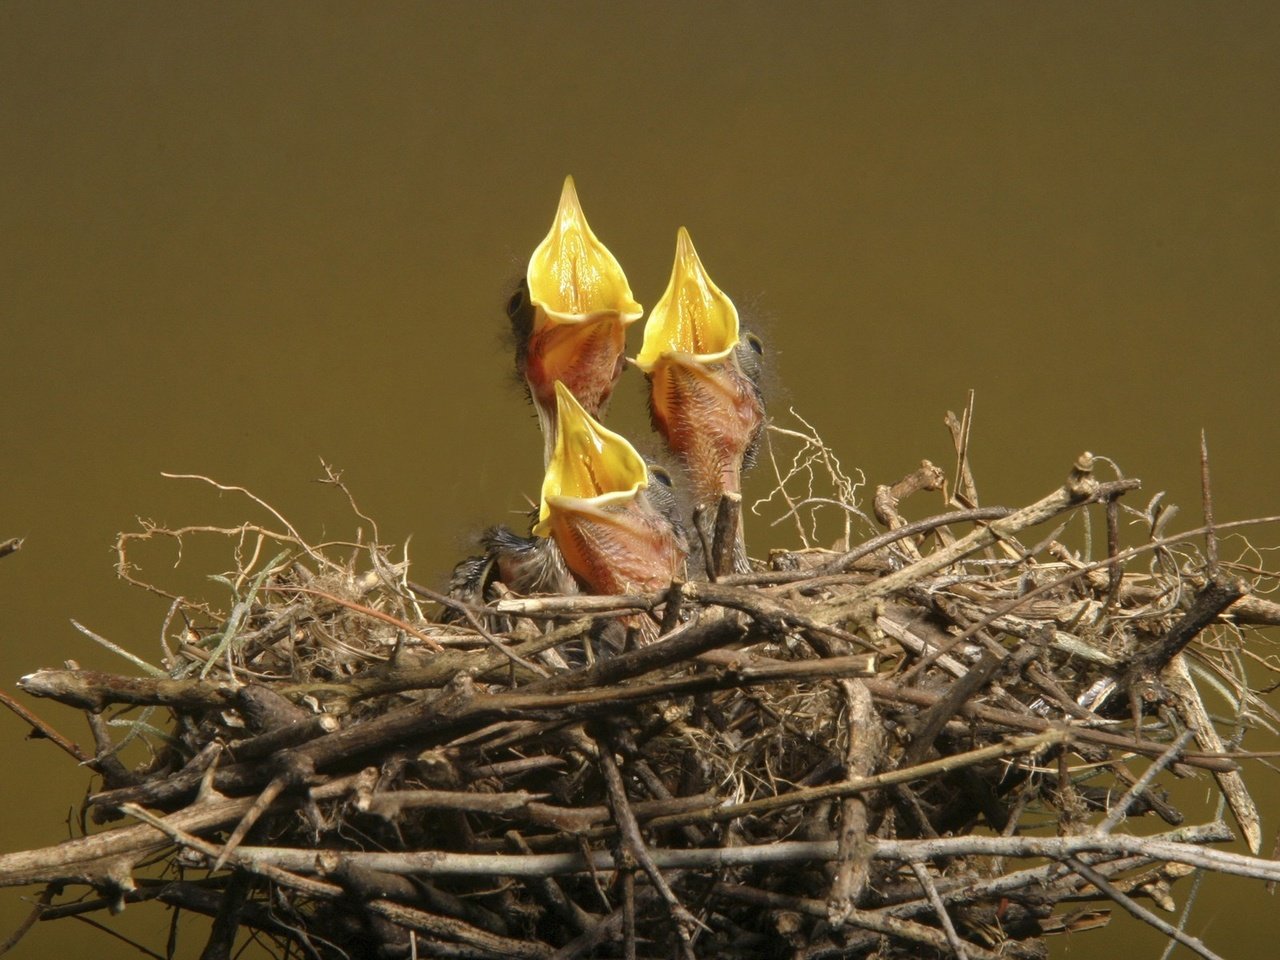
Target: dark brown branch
1213	598
91	690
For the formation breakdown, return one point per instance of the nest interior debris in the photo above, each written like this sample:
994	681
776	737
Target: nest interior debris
938	739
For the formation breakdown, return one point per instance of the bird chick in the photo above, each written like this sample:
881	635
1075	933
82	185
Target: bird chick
704	395
611	517
570	316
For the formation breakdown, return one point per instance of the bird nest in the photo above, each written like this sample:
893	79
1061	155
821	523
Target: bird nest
933	742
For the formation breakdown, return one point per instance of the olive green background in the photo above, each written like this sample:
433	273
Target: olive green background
238	238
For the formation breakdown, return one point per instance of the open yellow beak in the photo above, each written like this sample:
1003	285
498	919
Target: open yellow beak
694	318
591	468
572	276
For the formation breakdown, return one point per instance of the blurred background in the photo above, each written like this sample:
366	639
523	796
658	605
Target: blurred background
241	238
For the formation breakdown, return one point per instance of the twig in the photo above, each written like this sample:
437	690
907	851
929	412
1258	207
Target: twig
1121	807
884	690
1190	707
1214	597
726	539
1139	911
418	919
865	747
635	849
443	863
1080	489
913	529
857	785
926	883
230	488
430	642
43	729
295	770
1206	501
881	923
36	913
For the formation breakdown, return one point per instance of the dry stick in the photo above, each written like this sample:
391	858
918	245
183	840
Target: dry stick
1251	610
104	859
1081	571
704	542
1115	573
1080	489
295	770
629	918
1139	911
965	490
37	912
478	627
114	773
362	886
929	724
887	498
46	731
843	562
1206	499
492	945
578	819
417	719
226	922
672	608
1191	708
444	863
724	539
1121	807
772	616
363	610
549	892
185	896
460	710
681	645
1033	878
1163	809
280	738
944	918
583	605
865	749
881	923
424	720
95	691
631	603
437	670
605	929
1210	600
635	849
265	710
884	690
389	804
845	788
372	885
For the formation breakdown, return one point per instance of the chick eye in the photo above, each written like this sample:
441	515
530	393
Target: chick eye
660	474
518	301
755	343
